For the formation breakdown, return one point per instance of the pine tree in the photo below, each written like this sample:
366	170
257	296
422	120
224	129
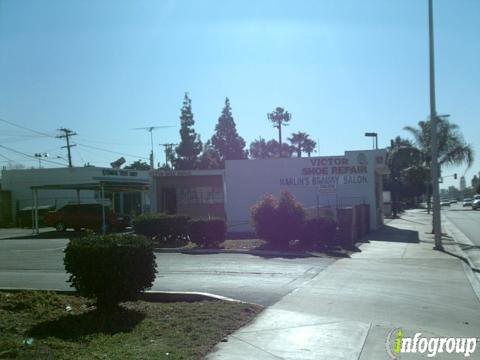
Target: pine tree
226	141
190	145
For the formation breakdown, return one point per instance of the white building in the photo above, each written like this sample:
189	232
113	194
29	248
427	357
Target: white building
59	186
335	181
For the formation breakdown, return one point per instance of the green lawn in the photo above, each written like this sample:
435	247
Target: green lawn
41	325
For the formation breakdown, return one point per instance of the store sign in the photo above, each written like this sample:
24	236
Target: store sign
327	173
200	195
165	173
108	172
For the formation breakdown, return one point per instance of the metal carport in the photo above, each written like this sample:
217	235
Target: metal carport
102	186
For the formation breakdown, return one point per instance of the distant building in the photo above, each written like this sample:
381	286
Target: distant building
475	181
463	183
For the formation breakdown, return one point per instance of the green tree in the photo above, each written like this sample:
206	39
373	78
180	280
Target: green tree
226	141
309	146
210	158
279	117
258	149
301	142
276	150
403	160
138	165
190	145
261	149
452	148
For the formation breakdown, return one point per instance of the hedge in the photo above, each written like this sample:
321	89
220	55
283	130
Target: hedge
164	228
207	232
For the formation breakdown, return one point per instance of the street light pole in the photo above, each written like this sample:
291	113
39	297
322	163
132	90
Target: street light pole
374	137
437	228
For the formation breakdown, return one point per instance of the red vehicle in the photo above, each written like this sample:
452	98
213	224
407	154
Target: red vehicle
84	216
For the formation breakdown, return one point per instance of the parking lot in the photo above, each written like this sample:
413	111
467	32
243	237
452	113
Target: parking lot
38	264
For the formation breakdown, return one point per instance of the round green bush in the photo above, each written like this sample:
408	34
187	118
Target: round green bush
110	268
278	222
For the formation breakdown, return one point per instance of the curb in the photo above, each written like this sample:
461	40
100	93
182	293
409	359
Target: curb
152	296
460	253
237	251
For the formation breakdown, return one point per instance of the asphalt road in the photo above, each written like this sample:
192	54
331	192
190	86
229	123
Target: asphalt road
38	264
466	220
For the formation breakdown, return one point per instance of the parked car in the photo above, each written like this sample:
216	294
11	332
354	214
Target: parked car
85	216
445	203
25	215
467	202
476	202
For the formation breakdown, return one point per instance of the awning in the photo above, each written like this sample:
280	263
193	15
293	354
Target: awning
114	186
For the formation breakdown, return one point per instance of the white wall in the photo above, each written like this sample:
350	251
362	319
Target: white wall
344	180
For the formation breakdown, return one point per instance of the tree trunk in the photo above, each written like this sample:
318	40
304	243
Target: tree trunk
280	139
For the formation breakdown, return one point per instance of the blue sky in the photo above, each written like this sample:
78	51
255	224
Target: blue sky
341	68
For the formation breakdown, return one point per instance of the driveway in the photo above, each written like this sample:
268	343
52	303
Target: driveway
38	264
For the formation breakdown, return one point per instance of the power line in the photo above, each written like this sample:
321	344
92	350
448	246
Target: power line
66	135
110	151
90	140
6	158
29	156
26	128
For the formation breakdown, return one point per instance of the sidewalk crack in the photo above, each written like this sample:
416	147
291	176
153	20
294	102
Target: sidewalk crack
258	348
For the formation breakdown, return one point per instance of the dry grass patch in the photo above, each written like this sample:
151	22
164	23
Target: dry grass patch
36	325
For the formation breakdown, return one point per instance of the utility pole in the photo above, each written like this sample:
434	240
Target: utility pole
66	134
168	148
150	130
437	221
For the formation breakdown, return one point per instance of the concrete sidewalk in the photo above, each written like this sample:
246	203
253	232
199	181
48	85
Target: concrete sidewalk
349	309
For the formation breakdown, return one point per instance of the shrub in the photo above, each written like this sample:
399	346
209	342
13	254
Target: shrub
264	218
290	218
164	228
280	221
318	232
110	268
207	232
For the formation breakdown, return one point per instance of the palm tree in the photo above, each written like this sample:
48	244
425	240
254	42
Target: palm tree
452	148
297	140
279	117
402	157
309	146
